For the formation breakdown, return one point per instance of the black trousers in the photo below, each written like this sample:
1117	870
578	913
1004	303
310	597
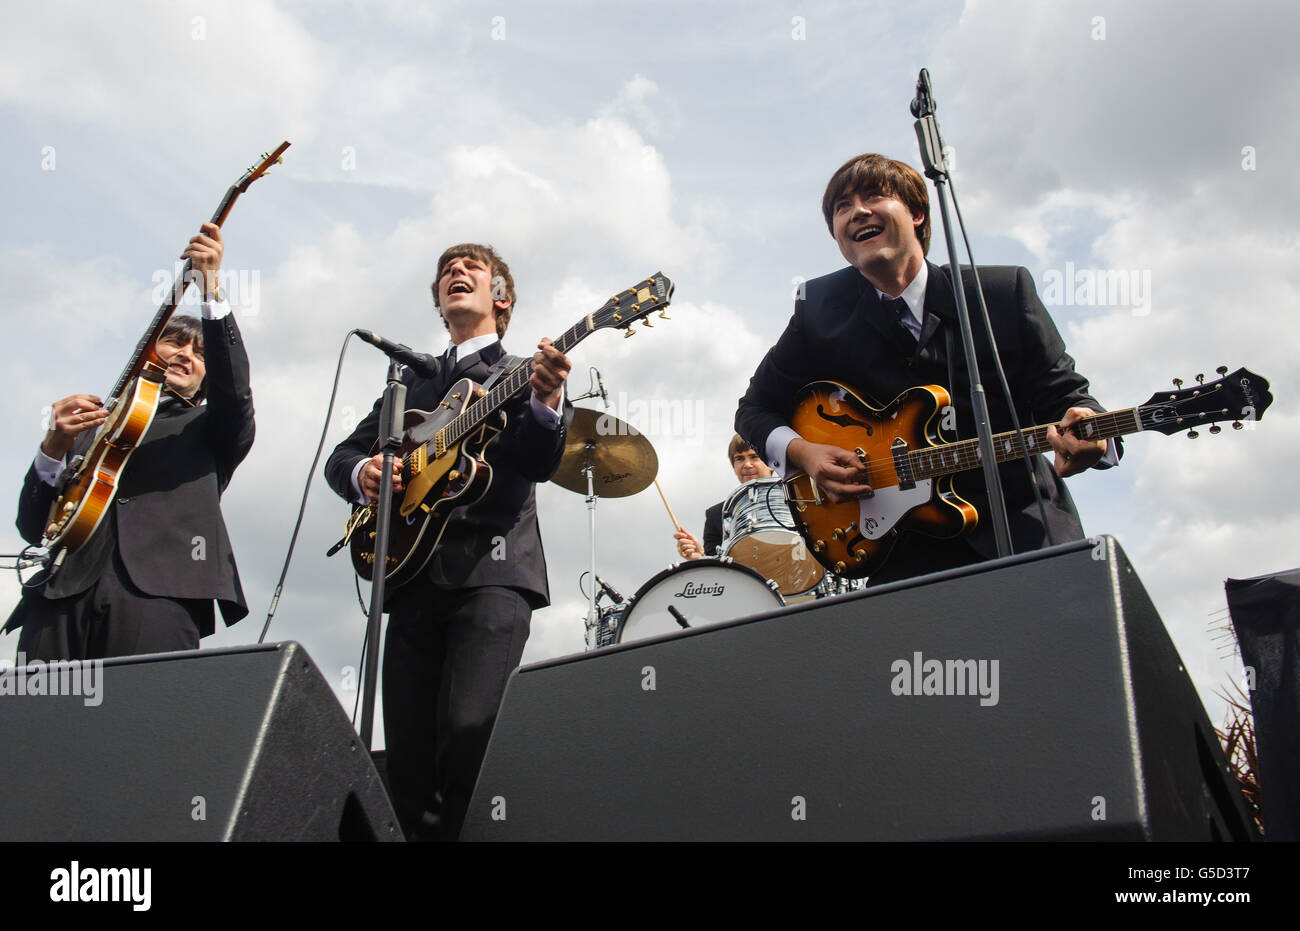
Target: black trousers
447	655
111	618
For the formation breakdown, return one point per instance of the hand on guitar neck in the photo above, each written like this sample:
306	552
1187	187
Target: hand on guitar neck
1074	455
204	252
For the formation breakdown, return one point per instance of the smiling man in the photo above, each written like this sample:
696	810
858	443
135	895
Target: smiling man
887	323
747	465
145	580
456	632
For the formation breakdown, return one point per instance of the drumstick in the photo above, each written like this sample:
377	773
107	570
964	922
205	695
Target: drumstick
668	506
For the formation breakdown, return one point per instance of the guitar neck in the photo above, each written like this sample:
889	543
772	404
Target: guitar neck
165	310
963	456
512	384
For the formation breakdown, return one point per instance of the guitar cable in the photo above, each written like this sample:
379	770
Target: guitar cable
302	506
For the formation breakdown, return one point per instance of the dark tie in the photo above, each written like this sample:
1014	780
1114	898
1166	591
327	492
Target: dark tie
897	308
448	363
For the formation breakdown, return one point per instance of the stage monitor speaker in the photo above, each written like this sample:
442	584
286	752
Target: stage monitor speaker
239	744
1035	697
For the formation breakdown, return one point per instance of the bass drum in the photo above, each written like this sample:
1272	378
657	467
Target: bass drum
704	592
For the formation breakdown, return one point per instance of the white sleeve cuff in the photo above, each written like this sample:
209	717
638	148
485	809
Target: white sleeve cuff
777	441
544	414
1110	458
47	469
215	310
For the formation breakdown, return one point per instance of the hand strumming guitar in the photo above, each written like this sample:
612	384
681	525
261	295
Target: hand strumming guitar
69	417
837	472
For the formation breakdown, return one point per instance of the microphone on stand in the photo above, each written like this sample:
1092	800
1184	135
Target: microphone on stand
609	590
604	396
421	363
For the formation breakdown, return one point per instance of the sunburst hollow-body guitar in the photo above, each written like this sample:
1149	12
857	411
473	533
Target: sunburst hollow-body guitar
910	468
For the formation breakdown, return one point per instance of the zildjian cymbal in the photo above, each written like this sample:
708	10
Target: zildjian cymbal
623	461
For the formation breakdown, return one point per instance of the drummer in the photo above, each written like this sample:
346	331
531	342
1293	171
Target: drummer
747	466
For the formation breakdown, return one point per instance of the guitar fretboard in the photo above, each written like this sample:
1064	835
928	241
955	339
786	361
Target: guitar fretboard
511	384
935	461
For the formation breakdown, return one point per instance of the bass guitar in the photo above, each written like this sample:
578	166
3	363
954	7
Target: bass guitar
910	468
89	482
442	455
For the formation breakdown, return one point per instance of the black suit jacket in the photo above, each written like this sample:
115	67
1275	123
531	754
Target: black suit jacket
712	541
841	332
524	454
165	520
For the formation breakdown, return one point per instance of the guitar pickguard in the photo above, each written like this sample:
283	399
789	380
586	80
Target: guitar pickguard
879	513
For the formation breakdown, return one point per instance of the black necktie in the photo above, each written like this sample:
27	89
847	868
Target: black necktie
897	308
448	363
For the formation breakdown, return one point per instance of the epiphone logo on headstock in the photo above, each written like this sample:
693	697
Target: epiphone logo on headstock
1250	396
694	589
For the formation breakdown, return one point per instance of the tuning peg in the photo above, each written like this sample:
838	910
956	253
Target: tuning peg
1222	370
1178	382
1192	434
1200	378
1236	425
1215	430
663	315
648	323
629	332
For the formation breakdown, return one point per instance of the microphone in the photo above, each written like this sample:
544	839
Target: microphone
923	102
419	362
609	590
604	396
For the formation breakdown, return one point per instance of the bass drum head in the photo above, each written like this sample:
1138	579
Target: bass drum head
704	591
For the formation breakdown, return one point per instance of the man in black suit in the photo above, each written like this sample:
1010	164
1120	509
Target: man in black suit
747	465
887	323
456	633
145	580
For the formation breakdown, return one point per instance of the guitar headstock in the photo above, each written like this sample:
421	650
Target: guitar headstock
636	303
268	159
1241	397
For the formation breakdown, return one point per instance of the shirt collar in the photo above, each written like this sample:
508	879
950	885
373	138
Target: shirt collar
474	344
914	294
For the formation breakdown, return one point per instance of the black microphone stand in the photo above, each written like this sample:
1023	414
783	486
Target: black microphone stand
390	435
927	134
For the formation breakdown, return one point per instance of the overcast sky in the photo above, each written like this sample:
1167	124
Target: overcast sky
594	143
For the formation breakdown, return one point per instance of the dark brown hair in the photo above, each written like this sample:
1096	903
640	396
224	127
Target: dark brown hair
184	330
870	173
736	447
503	286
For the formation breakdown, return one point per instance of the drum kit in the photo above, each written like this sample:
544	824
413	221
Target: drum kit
763	563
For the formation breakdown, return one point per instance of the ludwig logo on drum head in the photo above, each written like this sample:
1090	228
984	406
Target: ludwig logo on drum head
693	589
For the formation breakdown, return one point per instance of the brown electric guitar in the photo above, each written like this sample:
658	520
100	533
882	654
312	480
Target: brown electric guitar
90	481
443	452
910	468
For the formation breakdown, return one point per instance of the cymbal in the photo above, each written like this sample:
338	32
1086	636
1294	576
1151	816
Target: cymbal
623	461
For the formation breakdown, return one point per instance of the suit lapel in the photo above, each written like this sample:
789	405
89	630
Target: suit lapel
940	305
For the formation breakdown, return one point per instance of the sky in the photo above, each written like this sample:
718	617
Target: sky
595	143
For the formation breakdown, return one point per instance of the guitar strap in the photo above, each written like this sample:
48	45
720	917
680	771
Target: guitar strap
503	365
